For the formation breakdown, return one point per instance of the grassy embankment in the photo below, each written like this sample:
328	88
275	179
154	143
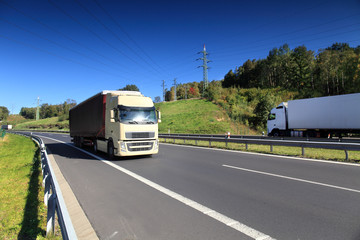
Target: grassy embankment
22	211
197	116
44	124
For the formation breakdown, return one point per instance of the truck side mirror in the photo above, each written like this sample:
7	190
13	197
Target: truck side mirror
112	116
159	116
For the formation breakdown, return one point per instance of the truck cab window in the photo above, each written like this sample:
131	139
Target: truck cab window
271	116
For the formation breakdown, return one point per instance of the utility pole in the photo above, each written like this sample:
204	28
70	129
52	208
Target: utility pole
175	89
205	68
38	109
163	86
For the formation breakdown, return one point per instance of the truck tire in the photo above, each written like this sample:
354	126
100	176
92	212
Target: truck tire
275	133
81	142
95	147
110	150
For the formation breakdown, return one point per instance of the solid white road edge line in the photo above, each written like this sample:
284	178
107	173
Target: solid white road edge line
294	179
197	206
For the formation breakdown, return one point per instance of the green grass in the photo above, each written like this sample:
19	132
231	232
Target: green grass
44	124
22	212
314	153
196	116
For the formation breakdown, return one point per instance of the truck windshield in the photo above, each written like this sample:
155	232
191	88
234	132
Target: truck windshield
137	115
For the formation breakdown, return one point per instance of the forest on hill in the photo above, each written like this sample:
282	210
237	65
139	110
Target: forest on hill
251	90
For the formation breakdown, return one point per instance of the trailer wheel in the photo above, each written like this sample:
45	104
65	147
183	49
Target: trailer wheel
110	150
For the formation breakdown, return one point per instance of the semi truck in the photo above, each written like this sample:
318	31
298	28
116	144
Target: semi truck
316	117
119	123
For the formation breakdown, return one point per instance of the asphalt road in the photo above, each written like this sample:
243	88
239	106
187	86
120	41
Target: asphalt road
197	193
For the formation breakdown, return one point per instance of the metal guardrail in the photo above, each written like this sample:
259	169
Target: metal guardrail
266	141
53	197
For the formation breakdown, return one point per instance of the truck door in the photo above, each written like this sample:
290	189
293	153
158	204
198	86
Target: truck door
280	118
277	120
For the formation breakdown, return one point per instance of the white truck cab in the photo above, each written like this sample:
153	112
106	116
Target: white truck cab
277	120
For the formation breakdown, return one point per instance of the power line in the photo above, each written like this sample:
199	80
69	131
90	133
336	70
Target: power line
58	32
292	32
310	40
58	56
127	35
116	36
53	42
91	31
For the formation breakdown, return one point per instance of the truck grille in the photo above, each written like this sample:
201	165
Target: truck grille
134	135
140	146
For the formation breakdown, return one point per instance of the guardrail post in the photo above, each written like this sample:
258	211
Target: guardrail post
196	142
47	190
246	146
50	225
271	148
174	140
302	151
346	155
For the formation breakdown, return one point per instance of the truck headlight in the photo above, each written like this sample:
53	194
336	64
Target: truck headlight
122	147
156	144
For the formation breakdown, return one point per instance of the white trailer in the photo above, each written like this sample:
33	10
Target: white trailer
316	116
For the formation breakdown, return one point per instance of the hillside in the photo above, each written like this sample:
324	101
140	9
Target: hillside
44	124
182	116
196	116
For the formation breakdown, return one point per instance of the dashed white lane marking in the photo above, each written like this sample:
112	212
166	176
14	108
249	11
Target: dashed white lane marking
197	206
291	178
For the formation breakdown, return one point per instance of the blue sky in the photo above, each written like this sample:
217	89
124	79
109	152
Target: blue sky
73	49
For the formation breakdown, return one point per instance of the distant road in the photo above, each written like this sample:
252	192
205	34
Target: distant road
197	193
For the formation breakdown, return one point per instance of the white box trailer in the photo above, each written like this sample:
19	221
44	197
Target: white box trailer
316	116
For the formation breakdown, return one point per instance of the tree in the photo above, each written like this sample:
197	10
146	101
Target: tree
262	110
302	69
169	95
229	80
28	113
4	113
130	87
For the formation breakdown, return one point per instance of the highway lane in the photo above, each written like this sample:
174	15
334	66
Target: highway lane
281	197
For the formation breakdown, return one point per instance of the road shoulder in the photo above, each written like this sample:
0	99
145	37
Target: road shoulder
81	224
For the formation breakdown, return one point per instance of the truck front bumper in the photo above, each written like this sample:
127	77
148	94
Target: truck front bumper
133	148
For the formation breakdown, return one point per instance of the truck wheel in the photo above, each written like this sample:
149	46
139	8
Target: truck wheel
77	141
110	151
81	142
276	133
95	147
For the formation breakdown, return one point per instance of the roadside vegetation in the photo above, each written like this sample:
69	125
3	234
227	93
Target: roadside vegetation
22	213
